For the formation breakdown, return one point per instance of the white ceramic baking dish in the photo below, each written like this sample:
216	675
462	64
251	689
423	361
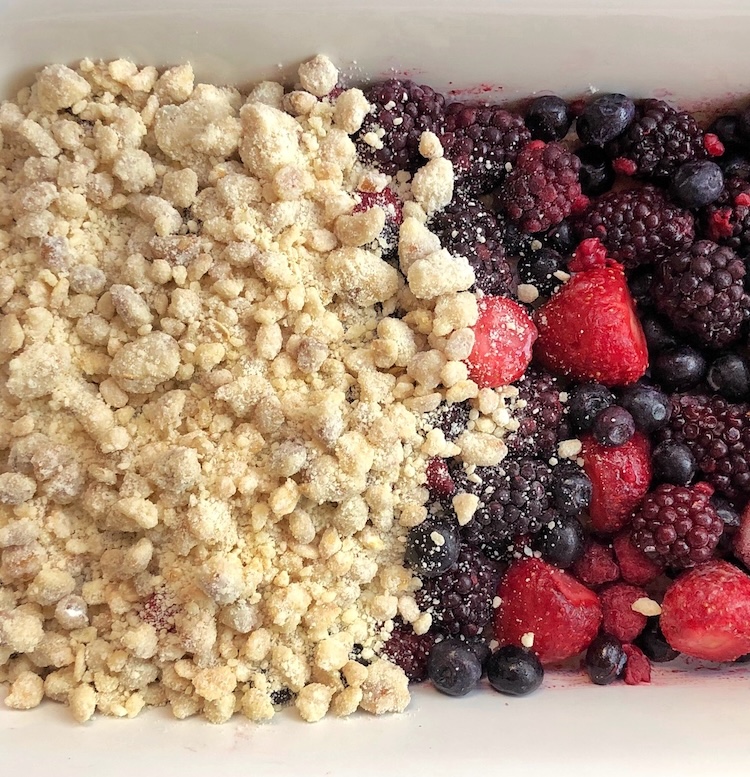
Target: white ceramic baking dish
691	51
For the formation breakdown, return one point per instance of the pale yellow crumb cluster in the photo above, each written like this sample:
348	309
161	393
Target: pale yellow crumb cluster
212	433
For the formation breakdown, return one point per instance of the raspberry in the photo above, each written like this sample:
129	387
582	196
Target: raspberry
718	435
618	616
597	566
637	668
466	228
438	479
481	140
539	413
543	188
410	651
637	226
514	499
159	611
636	567
460	600
658	141
701	290
678	525
727	221
403	110
451	419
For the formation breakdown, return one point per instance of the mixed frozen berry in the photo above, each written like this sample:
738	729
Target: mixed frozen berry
609	242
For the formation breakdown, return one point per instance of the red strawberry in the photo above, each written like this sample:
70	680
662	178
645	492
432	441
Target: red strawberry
618	616
588	329
637	667
503	338
741	539
636	567
597	565
706	612
537	598
620	477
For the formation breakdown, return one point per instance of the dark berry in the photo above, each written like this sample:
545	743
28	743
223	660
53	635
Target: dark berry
561	542
596	173
613	426
410	651
585	402
729	376
697	184
561	238
673	463
514	671
403	110
460	600
649	407
659	140
744	124
605	659
702	292
538	268
735	166
431	548
453	668
678	525
605	118
549	118
481	650
543	188
571	489
727	130
481	141
718	435
467	228
539	413
637	226
451	419
679	369
658	336
639	284
727	512
282	697
514	500
653	643
727	221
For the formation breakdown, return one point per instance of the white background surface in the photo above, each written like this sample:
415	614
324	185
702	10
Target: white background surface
686	724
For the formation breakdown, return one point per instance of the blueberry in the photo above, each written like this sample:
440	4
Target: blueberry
697	184
431	548
561	238
679	368
727	512
744	124
586	402
549	118
649	407
673	463
480	649
639	284
571	489
596	174
658	336
605	659
730	376
514	671
539	267
735	166
727	129
743	659
561	541
605	118
613	426
453	668
653	643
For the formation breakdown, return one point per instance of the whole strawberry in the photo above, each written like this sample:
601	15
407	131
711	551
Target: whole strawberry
588	330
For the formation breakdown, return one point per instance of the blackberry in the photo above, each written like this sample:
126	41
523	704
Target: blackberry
701	291
539	412
727	221
543	187
678	525
451	419
514	500
410	651
658	141
481	140
467	228
460	600
637	226
718	435
403	110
